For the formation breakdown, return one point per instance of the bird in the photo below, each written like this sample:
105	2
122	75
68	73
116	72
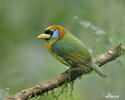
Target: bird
68	49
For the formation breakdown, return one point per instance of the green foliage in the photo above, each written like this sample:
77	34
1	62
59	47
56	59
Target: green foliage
4	93
122	49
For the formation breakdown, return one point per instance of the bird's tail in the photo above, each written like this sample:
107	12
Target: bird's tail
98	70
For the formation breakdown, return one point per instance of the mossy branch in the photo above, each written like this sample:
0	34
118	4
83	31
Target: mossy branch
69	75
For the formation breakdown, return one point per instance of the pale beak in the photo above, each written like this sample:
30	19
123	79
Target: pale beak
44	36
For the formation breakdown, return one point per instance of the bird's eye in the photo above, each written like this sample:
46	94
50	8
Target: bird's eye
48	32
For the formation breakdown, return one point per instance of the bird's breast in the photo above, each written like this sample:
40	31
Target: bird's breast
48	47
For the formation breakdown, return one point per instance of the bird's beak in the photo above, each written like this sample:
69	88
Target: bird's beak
43	36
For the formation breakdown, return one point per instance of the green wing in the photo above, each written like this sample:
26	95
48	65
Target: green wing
70	51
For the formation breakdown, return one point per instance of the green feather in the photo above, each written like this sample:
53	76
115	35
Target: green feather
72	52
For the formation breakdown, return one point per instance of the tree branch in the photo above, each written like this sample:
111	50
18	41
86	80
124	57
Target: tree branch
69	75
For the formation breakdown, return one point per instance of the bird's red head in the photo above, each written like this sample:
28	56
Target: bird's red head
57	27
53	31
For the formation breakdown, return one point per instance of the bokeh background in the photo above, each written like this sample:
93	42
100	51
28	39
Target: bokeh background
24	62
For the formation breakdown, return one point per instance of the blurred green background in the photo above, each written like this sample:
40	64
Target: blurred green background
24	62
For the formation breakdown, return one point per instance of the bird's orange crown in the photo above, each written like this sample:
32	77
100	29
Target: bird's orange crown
58	27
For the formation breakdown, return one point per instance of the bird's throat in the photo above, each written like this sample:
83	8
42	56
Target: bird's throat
51	42
48	46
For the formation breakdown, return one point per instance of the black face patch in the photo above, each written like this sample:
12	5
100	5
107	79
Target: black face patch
48	32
